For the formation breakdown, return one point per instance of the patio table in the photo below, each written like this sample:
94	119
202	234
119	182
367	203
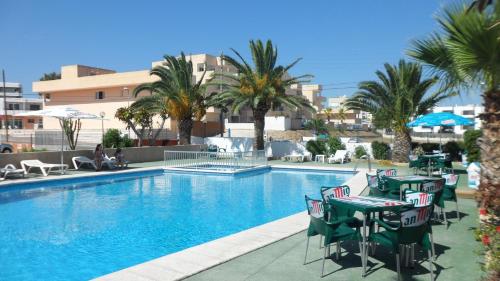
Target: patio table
367	205
431	158
409	180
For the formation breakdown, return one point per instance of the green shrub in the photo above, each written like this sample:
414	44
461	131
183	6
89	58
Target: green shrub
380	150
359	151
112	138
429	147
471	147
454	149
334	144
316	147
127	142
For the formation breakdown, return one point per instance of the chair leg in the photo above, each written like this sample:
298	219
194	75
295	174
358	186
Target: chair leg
413	255
307	248
323	266
338	250
445	219
408	250
320	239
458	213
430	265
329	253
432	246
398	266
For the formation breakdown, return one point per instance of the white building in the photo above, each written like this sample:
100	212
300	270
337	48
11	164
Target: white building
353	118
470	111
15	104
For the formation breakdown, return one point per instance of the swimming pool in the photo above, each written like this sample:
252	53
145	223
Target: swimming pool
77	229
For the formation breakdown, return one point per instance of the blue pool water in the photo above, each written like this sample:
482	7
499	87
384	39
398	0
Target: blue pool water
81	229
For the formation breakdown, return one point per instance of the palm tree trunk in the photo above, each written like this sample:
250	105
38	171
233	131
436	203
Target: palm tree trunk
259	123
489	188
402	146
185	126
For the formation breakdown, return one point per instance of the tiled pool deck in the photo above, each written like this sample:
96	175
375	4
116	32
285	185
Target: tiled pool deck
274	251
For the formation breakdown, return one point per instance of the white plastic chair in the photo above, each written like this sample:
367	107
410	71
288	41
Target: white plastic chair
46	168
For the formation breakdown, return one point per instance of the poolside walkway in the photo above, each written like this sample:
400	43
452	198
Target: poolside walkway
283	260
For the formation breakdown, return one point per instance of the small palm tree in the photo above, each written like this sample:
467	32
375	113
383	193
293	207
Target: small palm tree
328	114
317	126
399	96
261	86
342	115
466	53
176	90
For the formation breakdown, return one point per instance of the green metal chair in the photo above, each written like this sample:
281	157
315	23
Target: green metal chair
436	187
337	212
449	194
391	192
411	229
419	164
333	231
375	188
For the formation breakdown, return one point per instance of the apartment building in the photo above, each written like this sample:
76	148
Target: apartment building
102	91
15	103
341	115
469	111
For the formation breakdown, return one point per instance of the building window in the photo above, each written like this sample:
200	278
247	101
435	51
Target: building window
15	124
13	106
40	123
34	107
201	67
99	95
31	121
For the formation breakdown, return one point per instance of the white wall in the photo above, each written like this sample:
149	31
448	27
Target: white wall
278	123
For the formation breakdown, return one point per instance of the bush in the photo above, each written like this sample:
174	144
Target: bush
359	151
334	144
471	147
429	147
454	149
380	150
316	147
113	139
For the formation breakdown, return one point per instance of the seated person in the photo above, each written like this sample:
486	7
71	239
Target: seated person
120	158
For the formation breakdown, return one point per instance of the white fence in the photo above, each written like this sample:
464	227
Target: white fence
214	160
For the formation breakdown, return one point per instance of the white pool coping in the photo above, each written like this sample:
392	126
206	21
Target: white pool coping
193	260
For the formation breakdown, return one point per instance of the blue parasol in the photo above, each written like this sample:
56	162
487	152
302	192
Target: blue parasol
440	119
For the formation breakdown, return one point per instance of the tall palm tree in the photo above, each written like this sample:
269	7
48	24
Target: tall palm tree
466	53
398	96
317	126
176	90
261	86
342	115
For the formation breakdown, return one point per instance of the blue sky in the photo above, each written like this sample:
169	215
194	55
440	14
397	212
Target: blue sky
341	42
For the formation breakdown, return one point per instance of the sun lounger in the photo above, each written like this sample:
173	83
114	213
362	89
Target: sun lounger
44	167
10	169
79	161
340	156
112	161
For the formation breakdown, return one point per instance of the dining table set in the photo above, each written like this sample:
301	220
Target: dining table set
409	198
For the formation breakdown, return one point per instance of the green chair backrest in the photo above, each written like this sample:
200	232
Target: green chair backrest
435	187
417	198
414	225
335	192
314	207
416	217
387	173
450	179
328	193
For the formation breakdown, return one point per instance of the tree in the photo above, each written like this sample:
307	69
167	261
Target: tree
261	86
222	105
50	76
140	120
153	105
466	53
184	98
317	126
398	96
71	128
342	114
328	114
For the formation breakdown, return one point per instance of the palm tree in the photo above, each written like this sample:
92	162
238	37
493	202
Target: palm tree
466	53
317	126
399	96
176	90
342	115
328	113
261	86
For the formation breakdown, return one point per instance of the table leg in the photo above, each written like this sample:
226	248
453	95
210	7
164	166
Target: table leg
364	256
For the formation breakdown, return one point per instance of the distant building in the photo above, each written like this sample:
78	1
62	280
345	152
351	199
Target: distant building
17	104
352	118
470	111
95	90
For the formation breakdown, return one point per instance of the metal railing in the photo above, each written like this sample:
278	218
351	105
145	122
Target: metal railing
194	160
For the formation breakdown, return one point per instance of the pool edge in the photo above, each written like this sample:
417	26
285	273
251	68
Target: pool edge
190	261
